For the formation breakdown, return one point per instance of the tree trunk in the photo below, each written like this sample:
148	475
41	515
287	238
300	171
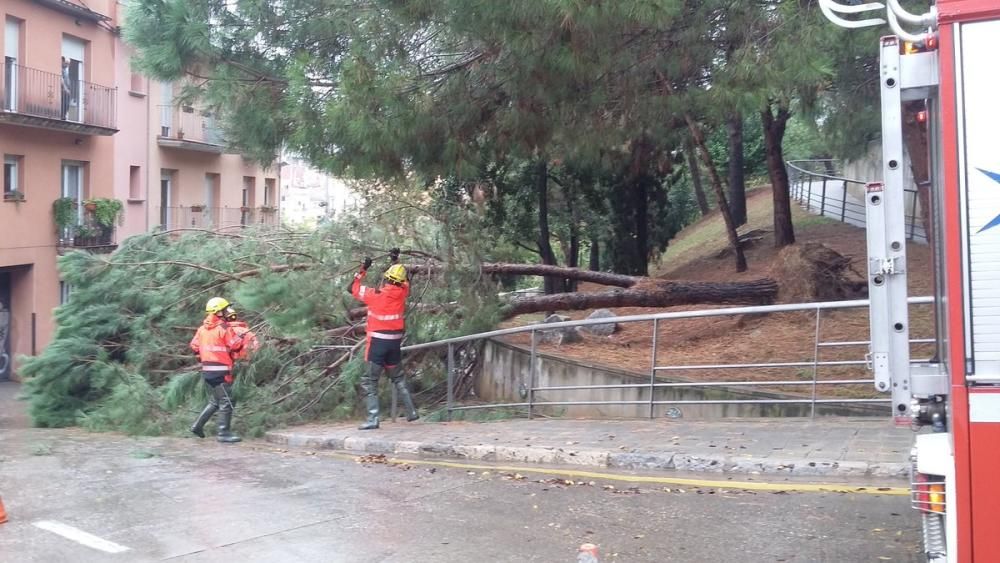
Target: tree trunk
573	252
915	137
504	269
595	255
720	192
699	191
573	259
637	291
544	236
699	140
774	133
737	182
641	202
660	294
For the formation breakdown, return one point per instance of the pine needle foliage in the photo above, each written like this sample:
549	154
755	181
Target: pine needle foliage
120	360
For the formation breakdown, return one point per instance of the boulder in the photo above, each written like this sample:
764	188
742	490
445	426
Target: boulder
559	336
606	329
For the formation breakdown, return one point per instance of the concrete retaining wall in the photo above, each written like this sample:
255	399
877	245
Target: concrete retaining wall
505	372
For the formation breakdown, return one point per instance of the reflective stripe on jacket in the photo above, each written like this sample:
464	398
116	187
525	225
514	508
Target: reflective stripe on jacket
215	343
386	305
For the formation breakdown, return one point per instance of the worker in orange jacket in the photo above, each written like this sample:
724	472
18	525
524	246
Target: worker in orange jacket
216	343
385	327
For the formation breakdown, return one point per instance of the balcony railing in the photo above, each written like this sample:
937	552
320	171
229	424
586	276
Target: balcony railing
42	99
188	127
88	233
199	217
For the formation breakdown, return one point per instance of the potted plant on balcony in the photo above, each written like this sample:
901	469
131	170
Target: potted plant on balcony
13	195
107	212
85	236
197	207
90	205
268	209
64	213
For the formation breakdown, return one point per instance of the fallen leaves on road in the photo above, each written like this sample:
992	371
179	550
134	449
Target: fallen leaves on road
372	458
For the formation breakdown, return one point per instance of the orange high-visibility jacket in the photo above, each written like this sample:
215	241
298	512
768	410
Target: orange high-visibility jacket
386	307
248	338
215	343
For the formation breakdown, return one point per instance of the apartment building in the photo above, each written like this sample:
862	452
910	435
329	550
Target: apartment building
309	195
79	130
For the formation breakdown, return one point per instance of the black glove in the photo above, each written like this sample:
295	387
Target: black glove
394	255
367	263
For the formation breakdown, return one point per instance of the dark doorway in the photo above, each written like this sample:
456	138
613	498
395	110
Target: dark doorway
6	362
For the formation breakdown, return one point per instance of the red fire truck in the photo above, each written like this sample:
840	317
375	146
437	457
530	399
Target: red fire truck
945	61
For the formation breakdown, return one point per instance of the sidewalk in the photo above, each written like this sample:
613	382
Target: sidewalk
831	447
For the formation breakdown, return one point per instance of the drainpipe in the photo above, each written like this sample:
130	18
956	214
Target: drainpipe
149	152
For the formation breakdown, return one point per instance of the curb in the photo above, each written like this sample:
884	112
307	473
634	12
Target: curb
541	455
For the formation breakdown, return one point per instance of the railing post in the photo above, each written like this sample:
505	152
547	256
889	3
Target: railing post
843	204
652	368
809	196
913	216
812	413
451	379
531	374
822	201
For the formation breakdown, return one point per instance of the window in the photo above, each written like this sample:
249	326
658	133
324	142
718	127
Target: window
166	199
137	84
246	213
269	191
134	183
166	108
12	58
12	174
73	188
73	74
64	291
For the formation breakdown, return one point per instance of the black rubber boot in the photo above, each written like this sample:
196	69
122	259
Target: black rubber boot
370	386
224	394
198	428
225	435
396	375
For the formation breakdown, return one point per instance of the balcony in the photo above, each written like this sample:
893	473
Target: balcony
189	128
200	217
81	228
36	98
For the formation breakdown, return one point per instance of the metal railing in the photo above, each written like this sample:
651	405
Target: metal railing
36	93
821	188
813	383
200	217
187	123
87	233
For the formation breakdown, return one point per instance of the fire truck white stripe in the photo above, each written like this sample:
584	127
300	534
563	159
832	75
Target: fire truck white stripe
80	537
984	407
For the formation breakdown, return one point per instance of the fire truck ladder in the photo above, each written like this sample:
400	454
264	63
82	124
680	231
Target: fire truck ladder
916	389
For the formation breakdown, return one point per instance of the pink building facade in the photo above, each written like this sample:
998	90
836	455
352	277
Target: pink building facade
77	123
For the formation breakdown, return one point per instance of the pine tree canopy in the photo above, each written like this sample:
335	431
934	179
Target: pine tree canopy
120	358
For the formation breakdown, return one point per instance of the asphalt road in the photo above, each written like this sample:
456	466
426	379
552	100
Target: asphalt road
190	500
73	496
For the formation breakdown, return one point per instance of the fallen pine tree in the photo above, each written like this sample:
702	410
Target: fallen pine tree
119	358
638	292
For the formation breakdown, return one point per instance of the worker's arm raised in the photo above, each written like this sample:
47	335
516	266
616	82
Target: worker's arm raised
359	291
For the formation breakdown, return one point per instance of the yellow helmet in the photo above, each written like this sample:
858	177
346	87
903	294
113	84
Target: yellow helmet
396	273
215	305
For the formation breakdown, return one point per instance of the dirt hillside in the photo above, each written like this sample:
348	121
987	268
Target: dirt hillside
698	253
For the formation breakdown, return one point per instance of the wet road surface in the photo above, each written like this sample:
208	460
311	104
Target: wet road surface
164	499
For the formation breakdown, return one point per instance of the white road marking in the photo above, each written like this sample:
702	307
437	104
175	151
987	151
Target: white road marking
80	537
